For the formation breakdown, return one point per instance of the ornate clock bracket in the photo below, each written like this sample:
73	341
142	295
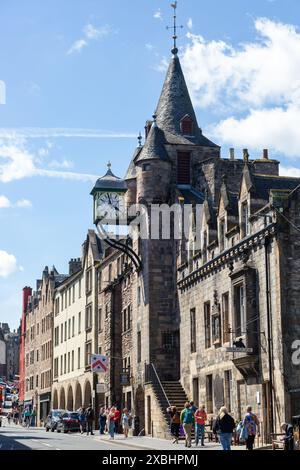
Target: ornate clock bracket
123	247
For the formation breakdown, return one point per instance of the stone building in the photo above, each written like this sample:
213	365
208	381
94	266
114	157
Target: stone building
76	331
38	343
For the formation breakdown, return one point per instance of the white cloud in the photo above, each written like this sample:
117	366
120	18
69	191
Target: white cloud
64	164
255	86
4	202
24	204
158	15
290	171
90	33
40	132
8	264
190	23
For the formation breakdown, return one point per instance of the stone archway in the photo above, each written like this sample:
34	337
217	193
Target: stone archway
70	401
62	399
78	397
87	394
55	400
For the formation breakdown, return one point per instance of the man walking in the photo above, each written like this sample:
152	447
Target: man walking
187	420
200	419
89	415
251	425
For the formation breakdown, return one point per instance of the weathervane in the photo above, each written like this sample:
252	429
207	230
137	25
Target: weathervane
175	28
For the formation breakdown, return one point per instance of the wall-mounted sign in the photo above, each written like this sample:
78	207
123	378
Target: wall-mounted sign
239	350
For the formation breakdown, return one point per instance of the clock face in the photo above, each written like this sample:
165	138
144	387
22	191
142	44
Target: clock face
109	205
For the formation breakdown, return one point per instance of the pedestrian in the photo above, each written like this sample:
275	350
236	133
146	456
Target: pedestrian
250	428
9	416
111	422
200	420
193	407
102	419
82	419
174	422
187	420
27	417
117	419
289	436
33	417
89	416
224	426
125	422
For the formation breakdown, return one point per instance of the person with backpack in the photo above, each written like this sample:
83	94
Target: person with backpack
187	420
200	419
89	416
250	428
27	415
126	422
82	420
224	426
174	422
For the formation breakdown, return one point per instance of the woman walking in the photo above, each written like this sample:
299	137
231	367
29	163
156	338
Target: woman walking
250	428
174	422
111	422
224	426
125	422
102	419
187	420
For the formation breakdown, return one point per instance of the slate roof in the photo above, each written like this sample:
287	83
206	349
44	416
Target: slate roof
174	104
192	196
263	184
109	181
131	171
154	147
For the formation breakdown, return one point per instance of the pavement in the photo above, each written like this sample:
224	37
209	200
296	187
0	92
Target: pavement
16	437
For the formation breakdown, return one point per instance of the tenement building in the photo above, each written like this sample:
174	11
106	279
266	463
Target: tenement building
38	351
212	315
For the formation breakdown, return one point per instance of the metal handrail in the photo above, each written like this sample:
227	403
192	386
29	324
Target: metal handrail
159	383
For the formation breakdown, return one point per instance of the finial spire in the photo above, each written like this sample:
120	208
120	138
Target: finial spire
175	28
109	165
140	139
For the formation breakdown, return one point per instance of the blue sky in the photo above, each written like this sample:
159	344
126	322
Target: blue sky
83	76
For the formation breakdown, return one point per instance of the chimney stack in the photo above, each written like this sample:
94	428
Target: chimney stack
246	155
231	153
74	266
266	154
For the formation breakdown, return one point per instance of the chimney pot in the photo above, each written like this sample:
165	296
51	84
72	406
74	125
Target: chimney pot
266	154
231	153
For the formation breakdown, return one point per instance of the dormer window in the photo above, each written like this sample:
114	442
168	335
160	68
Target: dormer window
245	219
187	126
222	237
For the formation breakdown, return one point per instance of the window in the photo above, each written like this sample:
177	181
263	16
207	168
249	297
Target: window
69	296
73	327
37	381
183	168
106	310
69	356
65	363
72	364
88	281
62	301
88	353
222	238
56	336
168	340
245	220
209	394
37	355
146	167
139	347
227	389
73	294
61	365
139	295
79	322
66	299
124	319
56	306
100	281
109	273
78	358
225	317
56	367
187	127
204	249
62	333
207	325
88	317
65	331
79	289
193	330
129	317
100	319
239	310
216	325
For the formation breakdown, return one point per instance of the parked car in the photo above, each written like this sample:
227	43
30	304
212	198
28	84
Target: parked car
52	419
68	421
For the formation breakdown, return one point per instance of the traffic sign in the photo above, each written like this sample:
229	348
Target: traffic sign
239	350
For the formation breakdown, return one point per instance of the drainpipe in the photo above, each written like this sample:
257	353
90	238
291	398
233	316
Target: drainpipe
269	330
